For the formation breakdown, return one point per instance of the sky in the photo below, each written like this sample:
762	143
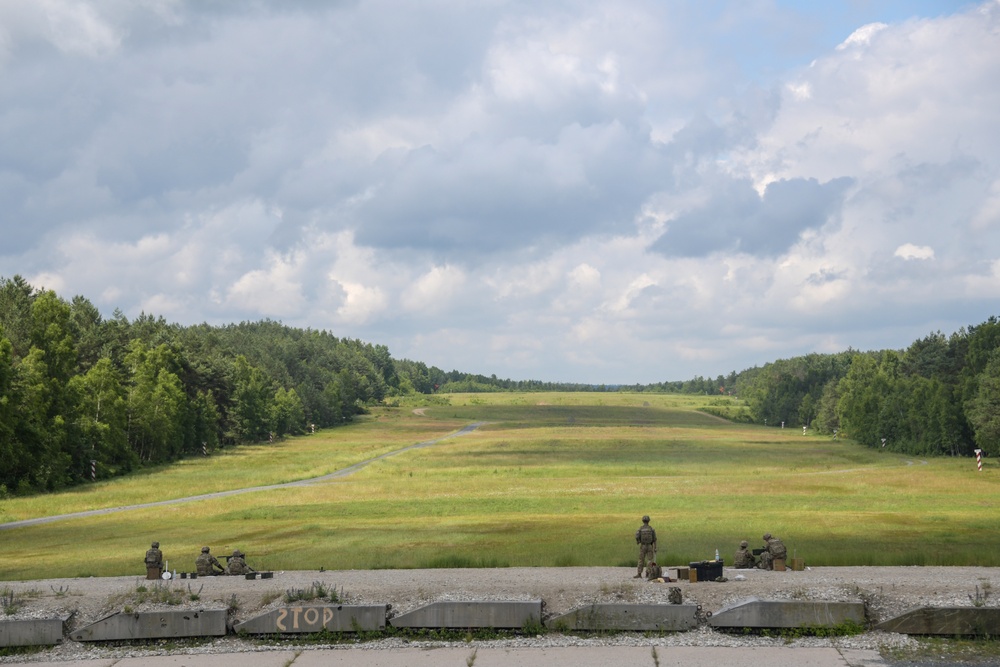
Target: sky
576	191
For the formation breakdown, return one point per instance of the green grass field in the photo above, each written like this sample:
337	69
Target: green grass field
550	480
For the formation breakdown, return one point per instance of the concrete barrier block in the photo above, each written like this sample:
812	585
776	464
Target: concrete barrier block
655	617
155	625
500	615
32	632
754	613
309	619
945	621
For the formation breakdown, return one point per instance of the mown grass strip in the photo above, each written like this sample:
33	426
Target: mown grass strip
543	487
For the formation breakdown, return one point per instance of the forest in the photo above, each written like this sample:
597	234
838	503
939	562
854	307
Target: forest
84	397
941	395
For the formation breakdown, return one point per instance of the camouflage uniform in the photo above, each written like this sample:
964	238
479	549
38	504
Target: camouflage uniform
645	537
206	564
654	571
777	549
237	565
744	557
154	557
773	548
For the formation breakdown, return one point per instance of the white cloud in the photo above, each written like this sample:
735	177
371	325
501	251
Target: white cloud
585	277
271	292
434	290
77	28
910	251
592	191
361	303
862	36
987	215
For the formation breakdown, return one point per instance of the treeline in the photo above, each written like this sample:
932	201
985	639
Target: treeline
722	384
941	395
80	394
85	397
418	377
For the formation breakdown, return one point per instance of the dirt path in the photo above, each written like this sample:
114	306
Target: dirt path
344	472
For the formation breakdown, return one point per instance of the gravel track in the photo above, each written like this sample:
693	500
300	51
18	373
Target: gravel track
887	592
343	472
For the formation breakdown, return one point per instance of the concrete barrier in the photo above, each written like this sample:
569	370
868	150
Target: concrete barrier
654	617
309	619
978	621
499	615
33	632
155	625
754	613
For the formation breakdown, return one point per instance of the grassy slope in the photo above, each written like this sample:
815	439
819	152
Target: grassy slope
553	479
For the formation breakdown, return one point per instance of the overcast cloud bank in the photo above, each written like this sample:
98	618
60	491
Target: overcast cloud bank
574	191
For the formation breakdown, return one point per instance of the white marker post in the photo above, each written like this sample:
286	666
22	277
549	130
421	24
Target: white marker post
979	459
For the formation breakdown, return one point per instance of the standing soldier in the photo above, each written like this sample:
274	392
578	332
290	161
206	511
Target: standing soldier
154	562
645	537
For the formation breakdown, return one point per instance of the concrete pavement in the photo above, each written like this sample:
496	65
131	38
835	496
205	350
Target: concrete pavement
597	656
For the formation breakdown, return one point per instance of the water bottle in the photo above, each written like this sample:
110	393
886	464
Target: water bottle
716	554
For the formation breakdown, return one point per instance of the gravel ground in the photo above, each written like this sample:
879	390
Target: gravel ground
887	592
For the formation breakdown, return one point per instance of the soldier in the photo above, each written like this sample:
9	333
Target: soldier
654	572
777	549
744	557
208	565
773	548
645	537
154	561
237	564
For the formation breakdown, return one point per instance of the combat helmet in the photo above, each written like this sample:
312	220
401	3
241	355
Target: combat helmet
767	536
744	544
645	519
204	550
156	545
